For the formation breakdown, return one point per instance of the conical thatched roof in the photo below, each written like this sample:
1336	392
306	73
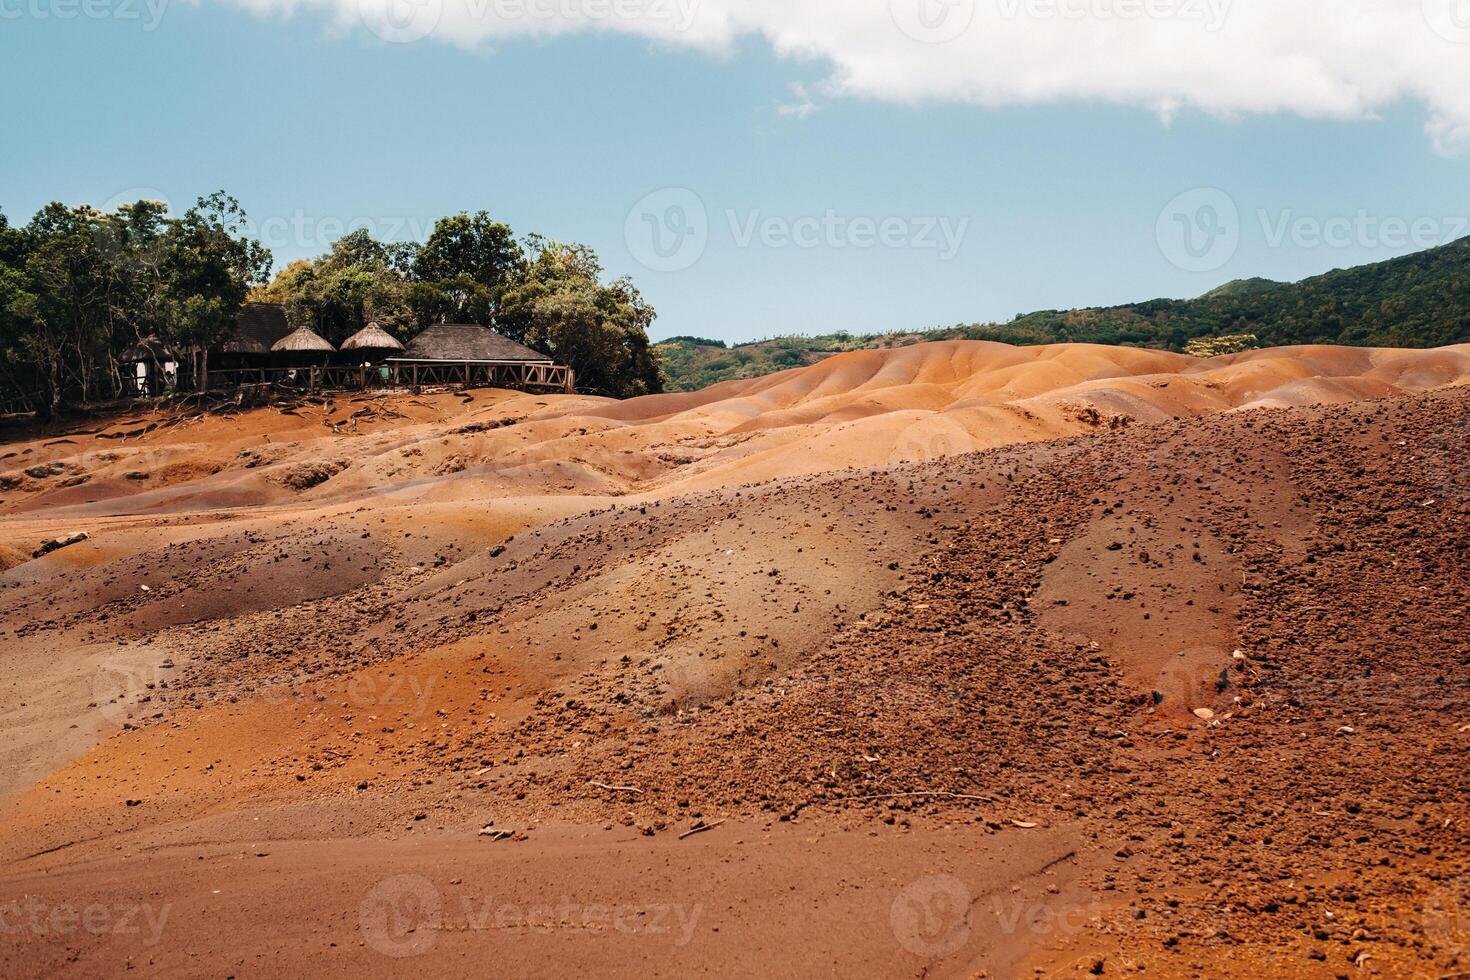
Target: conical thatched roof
302	339
372	337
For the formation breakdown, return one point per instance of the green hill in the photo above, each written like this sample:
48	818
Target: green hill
1242	287
1419	300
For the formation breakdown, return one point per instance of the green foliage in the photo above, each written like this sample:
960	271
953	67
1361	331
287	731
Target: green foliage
547	295
1241	287
77	286
471	260
1215	346
1420	300
692	363
559	305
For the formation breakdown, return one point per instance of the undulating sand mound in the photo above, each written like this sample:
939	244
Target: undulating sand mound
865	408
1079	659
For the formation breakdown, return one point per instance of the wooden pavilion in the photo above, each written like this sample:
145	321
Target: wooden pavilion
467	353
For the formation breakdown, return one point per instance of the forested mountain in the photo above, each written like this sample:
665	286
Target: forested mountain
1419	300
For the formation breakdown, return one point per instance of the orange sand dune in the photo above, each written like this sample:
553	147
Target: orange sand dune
1182	690
864	408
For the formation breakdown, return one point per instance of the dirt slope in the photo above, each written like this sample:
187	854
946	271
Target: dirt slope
1176	695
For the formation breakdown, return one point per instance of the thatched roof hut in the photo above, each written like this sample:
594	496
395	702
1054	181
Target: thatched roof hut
301	340
372	338
459	342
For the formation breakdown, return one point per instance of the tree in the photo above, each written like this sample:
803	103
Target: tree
559	307
470	260
284	285
77	286
18	310
211	268
359	280
62	305
1224	344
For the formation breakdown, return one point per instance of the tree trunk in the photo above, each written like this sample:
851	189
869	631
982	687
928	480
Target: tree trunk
51	407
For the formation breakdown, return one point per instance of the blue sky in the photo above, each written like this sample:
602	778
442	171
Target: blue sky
1049	203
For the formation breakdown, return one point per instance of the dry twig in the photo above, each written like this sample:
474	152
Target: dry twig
700	828
622	789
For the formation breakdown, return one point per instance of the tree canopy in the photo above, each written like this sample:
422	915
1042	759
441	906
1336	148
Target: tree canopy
79	287
559	305
545	294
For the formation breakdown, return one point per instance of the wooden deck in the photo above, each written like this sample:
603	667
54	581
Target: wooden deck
400	373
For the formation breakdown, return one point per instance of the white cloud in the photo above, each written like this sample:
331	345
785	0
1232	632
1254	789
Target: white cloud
801	105
1343	59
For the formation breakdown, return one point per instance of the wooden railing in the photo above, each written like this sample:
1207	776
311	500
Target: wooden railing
405	373
21	403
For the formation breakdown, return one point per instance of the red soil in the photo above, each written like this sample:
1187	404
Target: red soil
1183	696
